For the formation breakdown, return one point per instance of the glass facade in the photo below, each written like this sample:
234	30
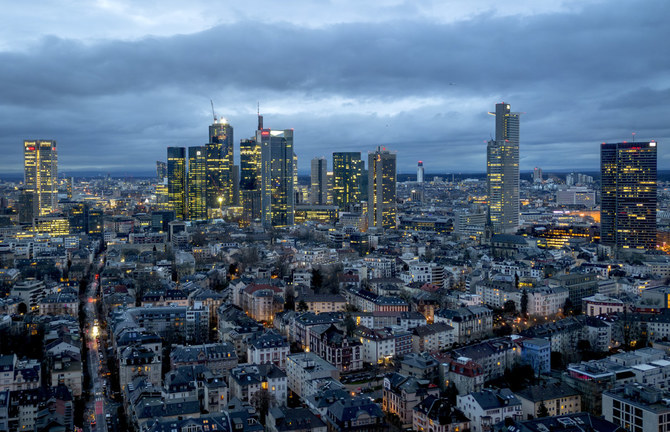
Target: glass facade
177	181
277	197
382	189
628	209
347	175
220	165
40	162
197	183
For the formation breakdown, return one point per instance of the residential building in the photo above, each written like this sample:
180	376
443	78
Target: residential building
469	323
302	368
637	407
438	415
245	380
489	407
558	398
402	393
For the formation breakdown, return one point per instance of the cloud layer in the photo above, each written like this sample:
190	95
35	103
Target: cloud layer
413	77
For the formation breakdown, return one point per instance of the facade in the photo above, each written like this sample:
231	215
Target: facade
197	183
301	368
176	166
347	175
537	353
318	193
469	323
277	197
419	172
488	407
355	414
250	179
382	189
432	337
559	399
246	380
402	393
502	171
628	210
268	348
219	164
438	415
637	407
40	167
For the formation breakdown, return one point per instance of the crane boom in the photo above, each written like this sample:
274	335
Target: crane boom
213	114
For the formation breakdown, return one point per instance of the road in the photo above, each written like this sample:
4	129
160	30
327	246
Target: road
97	405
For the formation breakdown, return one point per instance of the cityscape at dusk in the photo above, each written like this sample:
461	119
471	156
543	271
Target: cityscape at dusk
335	216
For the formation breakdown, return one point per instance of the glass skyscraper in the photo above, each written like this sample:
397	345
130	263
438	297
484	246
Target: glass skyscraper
40	192
197	183
319	181
277	197
382	189
628	209
220	164
502	171
347	176
176	165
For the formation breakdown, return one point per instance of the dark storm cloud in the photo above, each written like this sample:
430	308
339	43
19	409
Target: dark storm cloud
580	78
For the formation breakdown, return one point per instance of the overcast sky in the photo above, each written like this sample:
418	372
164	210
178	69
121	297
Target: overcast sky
116	82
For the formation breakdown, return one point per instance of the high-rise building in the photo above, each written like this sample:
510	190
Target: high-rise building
250	179
40	168
319	181
220	164
537	175
68	187
277	177
419	172
161	170
382	189
628	209
197	183
502	171
176	165
347	176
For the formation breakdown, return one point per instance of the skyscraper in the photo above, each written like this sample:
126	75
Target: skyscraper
382	189
176	165
537	175
161	170
250	177
40	168
347	176
628	210
277	198
319	181
197	183
220	164
502	171
419	172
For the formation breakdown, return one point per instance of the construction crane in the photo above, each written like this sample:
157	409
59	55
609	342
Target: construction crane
213	113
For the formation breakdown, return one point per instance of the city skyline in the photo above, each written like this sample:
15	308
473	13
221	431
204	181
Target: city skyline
156	92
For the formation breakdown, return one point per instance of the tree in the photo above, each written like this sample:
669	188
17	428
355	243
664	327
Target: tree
568	307
23	308
542	410
289	299
509	307
302	306
516	280
524	303
263	400
317	279
349	324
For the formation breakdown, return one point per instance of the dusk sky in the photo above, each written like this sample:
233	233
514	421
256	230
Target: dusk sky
116	82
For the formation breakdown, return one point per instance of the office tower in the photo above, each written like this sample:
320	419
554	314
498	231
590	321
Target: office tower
295	170
161	170
197	183
176	165
382	189
502	171
319	181
236	185
40	168
419	172
220	164
95	222
277	177
537	175
68	185
628	209
250	179
347	178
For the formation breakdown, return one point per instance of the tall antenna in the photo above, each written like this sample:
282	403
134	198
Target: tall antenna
213	114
